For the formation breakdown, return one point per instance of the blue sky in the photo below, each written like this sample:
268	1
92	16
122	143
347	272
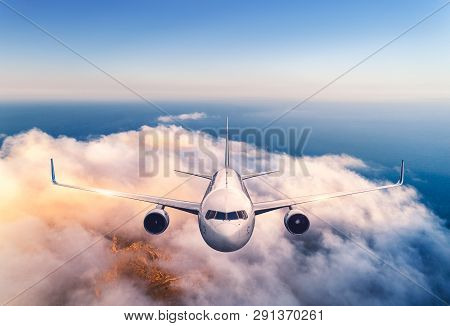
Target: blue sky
225	49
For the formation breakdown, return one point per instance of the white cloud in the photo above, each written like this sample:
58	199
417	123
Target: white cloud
42	226
182	117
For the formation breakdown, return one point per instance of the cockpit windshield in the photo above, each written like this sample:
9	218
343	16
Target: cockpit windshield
220	216
232	216
239	215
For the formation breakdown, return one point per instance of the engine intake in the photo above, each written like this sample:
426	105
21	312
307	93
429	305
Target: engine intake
296	222
156	221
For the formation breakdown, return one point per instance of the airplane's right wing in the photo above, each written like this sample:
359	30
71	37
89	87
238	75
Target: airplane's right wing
190	207
264	207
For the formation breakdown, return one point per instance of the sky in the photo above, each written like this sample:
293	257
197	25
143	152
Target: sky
224	50
181	53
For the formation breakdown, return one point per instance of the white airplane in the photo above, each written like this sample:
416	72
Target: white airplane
226	214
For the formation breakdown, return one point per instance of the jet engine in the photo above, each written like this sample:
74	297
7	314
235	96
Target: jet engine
156	221
296	222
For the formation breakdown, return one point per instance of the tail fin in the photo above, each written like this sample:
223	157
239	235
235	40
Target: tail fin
227	150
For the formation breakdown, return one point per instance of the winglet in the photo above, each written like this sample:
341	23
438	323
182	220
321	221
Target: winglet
53	172
402	173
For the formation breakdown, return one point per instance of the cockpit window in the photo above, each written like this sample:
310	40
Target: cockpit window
242	215
239	215
210	215
232	216
221	216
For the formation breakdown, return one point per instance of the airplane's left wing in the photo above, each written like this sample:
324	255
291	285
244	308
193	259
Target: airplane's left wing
264	207
190	207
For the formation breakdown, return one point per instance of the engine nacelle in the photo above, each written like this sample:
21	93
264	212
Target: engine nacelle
296	222
156	221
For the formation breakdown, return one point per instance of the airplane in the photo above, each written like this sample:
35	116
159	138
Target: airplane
226	214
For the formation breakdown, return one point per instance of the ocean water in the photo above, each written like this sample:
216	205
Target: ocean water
379	133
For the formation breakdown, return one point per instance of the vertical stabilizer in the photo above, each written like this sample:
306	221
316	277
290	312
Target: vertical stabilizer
227	150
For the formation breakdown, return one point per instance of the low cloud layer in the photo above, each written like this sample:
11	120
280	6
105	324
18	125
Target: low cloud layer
182	117
41	226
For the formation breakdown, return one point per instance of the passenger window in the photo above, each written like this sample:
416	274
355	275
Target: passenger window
210	215
232	216
220	216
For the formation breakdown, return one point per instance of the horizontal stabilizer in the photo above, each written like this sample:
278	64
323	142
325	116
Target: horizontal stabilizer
253	175
205	176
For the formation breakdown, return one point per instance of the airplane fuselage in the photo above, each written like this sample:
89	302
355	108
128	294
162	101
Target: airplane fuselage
226	217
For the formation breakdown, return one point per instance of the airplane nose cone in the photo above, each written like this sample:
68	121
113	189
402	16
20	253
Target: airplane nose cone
226	237
228	229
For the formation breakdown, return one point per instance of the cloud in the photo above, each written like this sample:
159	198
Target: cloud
42	226
182	117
